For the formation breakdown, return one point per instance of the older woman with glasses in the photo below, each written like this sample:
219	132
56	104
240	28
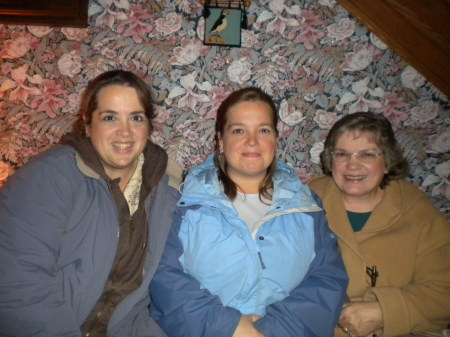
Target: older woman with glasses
395	244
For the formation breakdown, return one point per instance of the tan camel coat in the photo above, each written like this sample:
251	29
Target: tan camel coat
408	239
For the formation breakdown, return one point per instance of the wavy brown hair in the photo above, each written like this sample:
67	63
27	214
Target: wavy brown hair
380	130
89	100
250	94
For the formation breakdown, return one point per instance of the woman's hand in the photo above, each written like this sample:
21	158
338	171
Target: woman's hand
246	328
253	318
361	318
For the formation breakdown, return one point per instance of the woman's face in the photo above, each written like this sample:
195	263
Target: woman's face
358	178
118	130
248	142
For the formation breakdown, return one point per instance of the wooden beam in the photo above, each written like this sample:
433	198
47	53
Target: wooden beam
417	30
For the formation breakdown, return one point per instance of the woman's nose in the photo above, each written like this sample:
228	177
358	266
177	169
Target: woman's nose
124	129
251	138
353	161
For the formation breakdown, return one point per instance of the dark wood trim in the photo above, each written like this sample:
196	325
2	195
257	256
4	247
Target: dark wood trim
67	13
417	30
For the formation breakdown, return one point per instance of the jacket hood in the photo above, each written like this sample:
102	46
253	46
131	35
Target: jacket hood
202	186
89	162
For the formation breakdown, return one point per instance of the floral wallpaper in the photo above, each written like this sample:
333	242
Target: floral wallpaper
312	57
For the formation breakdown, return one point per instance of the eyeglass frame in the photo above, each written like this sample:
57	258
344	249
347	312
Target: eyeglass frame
358	155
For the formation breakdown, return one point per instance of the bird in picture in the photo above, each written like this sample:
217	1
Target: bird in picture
221	22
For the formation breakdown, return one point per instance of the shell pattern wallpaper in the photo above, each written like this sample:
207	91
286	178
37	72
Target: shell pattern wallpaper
316	61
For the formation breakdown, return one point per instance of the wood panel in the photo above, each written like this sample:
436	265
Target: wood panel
417	30
68	13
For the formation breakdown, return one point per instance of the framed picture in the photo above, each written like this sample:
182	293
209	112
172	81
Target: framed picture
223	27
69	13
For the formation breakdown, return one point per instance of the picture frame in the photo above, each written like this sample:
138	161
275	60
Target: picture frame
68	13
223	27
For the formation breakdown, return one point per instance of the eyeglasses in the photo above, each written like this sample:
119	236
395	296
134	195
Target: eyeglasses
363	156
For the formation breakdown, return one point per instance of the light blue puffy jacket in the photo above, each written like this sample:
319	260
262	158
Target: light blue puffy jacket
213	269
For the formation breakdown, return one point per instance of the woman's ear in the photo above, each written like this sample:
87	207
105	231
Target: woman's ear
87	130
219	139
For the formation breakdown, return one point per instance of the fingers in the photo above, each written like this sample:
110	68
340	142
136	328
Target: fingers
348	332
254	318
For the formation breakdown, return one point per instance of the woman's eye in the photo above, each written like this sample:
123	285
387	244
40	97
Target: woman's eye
367	155
341	154
108	118
265	130
237	131
138	118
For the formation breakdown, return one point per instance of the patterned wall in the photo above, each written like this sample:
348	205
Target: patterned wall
316	61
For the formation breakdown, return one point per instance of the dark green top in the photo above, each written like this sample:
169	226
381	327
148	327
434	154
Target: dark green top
358	220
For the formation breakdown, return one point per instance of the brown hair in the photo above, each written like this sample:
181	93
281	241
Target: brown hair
250	94
89	101
379	127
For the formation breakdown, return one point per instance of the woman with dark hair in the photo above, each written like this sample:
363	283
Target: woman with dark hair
395	244
249	252
83	225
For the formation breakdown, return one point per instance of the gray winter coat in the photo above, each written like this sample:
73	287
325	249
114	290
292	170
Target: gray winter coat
58	238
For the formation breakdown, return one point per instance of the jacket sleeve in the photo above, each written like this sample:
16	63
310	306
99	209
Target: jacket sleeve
314	306
423	304
179	304
33	209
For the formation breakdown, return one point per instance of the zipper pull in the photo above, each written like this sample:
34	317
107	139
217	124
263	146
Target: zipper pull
373	274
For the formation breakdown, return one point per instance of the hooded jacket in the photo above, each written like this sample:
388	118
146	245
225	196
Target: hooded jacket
408	240
58	239
288	270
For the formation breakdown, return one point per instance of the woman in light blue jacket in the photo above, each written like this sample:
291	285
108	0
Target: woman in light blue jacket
249	252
